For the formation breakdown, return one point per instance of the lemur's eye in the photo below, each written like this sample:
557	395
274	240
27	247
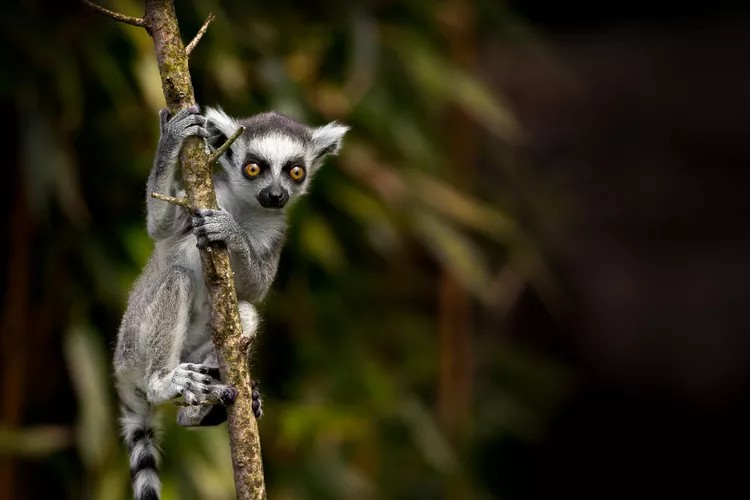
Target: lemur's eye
252	169
297	173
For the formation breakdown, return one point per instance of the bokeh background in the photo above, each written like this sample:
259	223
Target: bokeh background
525	276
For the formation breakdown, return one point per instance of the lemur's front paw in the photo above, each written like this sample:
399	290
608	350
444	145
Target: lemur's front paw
186	123
213	225
194	383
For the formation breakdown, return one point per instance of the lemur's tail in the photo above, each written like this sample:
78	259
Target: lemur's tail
138	430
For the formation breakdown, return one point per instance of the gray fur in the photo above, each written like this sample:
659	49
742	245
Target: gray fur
164	350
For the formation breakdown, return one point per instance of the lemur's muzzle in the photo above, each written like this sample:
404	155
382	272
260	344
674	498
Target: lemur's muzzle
273	197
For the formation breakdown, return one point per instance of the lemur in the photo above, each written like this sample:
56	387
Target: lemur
164	350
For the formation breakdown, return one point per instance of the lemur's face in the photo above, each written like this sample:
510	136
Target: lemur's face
273	161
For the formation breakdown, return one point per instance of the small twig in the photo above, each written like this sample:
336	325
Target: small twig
135	21
183	202
223	148
199	35
200	403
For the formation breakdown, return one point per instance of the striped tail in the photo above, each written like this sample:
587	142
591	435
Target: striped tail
138	431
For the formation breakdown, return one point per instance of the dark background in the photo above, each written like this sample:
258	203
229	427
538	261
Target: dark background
649	139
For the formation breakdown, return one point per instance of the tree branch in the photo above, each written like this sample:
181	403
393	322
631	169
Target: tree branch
226	328
183	202
199	35
197	165
223	148
135	21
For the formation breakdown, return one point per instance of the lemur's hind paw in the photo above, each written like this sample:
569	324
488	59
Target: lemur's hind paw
227	395
194	383
257	401
210	415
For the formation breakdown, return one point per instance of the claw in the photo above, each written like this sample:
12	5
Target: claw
163	117
190	398
229	395
201	368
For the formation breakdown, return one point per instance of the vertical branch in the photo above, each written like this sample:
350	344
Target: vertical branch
225	321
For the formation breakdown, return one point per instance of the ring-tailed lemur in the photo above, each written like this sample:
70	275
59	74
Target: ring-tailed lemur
164	349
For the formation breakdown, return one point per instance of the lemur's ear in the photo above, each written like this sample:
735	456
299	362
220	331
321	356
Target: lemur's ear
220	126
327	139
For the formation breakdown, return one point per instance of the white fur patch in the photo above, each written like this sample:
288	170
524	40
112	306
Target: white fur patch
222	121
139	414
248	318
327	139
142	449
131	423
145	480
277	149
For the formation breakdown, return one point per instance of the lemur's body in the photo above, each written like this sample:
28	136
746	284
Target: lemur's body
164	349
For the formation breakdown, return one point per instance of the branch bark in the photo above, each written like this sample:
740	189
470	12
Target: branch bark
197	38
160	21
134	21
225	320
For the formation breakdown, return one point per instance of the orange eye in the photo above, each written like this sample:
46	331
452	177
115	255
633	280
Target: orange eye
297	173
252	169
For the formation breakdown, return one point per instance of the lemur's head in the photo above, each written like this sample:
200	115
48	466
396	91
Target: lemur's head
275	158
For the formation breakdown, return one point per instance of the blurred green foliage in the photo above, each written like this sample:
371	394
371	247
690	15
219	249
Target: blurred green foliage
348	356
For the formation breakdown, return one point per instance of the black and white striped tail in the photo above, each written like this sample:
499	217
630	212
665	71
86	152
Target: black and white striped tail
138	430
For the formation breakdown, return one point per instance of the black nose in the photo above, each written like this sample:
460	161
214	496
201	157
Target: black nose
275	196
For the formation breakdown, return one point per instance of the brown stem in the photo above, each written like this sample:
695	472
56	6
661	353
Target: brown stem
223	148
199	35
225	320
202	403
183	202
135	21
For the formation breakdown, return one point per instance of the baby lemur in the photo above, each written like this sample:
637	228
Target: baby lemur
164	350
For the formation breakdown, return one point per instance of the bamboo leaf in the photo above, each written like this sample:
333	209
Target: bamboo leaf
34	442
89	372
454	251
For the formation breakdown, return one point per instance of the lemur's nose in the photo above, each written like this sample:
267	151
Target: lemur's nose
275	195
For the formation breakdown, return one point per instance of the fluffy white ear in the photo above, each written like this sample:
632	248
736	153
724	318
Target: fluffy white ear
327	139
220	125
